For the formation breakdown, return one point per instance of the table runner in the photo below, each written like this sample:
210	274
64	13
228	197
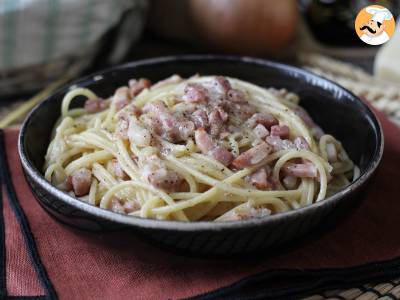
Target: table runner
46	258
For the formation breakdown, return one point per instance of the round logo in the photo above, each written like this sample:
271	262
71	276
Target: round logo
374	25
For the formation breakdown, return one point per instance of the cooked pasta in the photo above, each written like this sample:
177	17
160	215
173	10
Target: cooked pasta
203	148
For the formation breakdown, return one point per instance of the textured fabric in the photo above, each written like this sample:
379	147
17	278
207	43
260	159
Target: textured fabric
116	265
21	278
34	32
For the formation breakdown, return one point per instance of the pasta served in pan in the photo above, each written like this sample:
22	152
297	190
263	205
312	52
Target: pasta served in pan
203	148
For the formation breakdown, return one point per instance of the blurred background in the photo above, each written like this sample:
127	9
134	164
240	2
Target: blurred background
49	42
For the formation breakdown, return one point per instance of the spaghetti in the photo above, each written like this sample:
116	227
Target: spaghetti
203	148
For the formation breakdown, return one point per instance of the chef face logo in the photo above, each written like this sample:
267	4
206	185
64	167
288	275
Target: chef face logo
374	25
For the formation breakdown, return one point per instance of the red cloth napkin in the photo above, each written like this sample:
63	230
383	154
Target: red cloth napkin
46	257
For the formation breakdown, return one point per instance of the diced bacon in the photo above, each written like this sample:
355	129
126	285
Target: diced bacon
81	180
96	105
122	129
265	119
259	179
170	80
208	146
221	154
282	131
242	111
260	131
237	96
138	135
68	184
332	152
121	97
289	182
252	156
221	84
175	129
243	212
301	143
156	108
131	206
217	119
184	109
132	109
222	113
195	92
163	123
116	205
184	130
123	208
200	119
165	180
117	170
137	86
278	144
307	170
203	140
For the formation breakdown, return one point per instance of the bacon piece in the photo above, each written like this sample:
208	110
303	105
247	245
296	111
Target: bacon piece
121	97
242	111
128	112
237	96
260	131
132	109
138	135
96	105
259	179
117	170
137	86
123	208
200	119
265	119
224	116
221	154
162	122
221	84
300	143
252	156
307	170
156	107
165	180
175	129
282	131
122	129
217	118
131	206
183	130
116	205
203	140
185	109
208	146
195	92
278	144
332	152
243	212
81	180
68	184
289	182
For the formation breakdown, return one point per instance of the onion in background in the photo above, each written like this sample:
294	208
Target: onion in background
250	27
